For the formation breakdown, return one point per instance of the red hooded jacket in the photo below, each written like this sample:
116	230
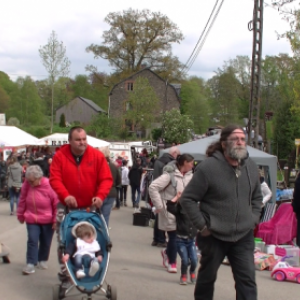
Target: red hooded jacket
91	178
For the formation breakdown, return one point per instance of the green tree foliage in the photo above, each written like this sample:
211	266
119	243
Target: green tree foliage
287	129
62	120
176	127
4	100
194	103
138	38
104	127
142	106
156	133
26	104
54	59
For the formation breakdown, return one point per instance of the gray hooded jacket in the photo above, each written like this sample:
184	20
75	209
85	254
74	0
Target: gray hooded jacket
14	172
230	205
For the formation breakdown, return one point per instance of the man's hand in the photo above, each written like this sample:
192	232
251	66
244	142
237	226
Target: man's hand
97	202
54	226
71	201
205	232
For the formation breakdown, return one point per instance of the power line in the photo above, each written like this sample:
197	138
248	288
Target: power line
204	33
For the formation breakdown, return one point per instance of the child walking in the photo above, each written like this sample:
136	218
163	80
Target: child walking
84	244
185	241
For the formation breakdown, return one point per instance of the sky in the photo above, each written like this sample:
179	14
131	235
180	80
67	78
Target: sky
27	25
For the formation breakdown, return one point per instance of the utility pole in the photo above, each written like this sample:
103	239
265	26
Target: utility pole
256	25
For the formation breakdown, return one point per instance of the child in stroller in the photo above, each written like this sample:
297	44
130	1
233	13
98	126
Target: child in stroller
97	270
85	244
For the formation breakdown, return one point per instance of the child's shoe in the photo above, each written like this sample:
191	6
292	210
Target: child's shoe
193	277
183	279
94	267
165	258
80	274
172	268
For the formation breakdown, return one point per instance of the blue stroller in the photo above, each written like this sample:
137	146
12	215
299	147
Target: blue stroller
87	285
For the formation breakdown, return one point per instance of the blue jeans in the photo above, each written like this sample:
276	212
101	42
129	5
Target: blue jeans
78	261
159	236
172	247
39	242
14	196
187	251
106	208
134	189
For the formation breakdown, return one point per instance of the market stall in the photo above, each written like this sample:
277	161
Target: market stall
198	150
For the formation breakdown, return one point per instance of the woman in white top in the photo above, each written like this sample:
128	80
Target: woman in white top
125	182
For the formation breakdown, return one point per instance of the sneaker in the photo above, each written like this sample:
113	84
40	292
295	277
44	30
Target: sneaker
11	213
28	269
42	265
125	204
183	279
80	274
193	277
94	267
165	258
172	268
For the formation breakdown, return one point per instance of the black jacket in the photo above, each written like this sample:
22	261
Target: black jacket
42	162
296	200
135	175
184	227
116	180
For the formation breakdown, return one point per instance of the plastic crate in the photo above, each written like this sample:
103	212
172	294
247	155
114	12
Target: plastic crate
148	212
286	250
140	219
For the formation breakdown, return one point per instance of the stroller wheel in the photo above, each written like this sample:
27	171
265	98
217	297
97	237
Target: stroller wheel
56	292
111	292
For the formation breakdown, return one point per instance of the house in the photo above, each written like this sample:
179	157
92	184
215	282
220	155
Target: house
166	92
79	109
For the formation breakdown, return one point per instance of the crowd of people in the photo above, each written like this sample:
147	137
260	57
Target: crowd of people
215	205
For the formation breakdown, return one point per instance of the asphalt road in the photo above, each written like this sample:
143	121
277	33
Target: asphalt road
135	268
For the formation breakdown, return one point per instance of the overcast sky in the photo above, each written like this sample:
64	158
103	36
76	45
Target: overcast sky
26	25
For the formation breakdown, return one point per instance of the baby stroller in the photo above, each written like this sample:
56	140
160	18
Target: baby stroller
87	285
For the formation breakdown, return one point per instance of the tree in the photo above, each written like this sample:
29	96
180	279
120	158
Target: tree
176	127
137	38
62	120
193	96
56	63
4	100
142	105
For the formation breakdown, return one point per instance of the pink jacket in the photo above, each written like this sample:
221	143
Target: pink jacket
37	204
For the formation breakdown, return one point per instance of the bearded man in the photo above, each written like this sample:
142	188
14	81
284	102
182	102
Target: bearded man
227	187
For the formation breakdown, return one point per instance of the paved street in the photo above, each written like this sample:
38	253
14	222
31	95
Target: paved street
135	268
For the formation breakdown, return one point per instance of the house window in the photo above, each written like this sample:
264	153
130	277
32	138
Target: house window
127	106
129	85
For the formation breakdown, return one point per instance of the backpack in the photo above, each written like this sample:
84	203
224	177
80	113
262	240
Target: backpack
170	169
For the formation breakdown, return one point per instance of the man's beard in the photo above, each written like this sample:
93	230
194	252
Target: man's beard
236	152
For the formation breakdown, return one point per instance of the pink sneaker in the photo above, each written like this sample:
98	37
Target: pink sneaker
165	258
172	268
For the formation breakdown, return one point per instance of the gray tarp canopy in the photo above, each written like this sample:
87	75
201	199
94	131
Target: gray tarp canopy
198	149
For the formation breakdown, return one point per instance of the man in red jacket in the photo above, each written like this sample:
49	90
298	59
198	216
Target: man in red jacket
79	173
81	178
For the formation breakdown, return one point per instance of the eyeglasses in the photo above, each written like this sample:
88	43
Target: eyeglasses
236	139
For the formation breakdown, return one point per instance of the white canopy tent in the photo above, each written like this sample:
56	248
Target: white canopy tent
59	139
198	150
11	136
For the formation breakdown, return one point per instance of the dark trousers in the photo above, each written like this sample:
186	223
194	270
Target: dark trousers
172	247
240	256
39	242
159	236
298	229
135	189
119	195
124	193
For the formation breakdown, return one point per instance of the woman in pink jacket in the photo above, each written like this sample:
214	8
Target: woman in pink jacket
37	208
